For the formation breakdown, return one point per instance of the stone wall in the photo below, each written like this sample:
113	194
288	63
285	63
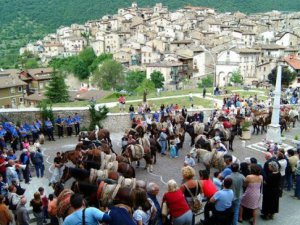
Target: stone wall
115	122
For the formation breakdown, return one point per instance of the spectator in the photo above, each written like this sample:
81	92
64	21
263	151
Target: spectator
163	141
131	108
227	171
37	208
271	191
39	163
152	191
297	178
222	213
13	199
283	165
91	215
178	207
3	165
3	187
45	204
217	181
144	211
209	189
293	164
22	213
237	188
11	172
25	161
189	161
5	215
52	210
57	172
122	102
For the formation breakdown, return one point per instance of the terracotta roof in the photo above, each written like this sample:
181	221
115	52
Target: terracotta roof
40	73
10	78
293	61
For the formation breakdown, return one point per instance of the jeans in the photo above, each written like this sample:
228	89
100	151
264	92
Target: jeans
163	145
57	172
236	209
185	219
40	217
297	189
39	167
289	181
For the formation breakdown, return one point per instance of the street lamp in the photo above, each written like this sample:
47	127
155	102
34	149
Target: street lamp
214	62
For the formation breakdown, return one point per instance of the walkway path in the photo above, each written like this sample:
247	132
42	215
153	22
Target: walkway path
197	95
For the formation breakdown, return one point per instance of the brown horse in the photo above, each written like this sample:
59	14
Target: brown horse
114	194
136	152
104	146
102	134
73	156
82	174
89	192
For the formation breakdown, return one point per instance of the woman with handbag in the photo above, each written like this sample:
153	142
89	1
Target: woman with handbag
192	190
179	210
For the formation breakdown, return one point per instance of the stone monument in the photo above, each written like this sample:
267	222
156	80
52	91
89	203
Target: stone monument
273	133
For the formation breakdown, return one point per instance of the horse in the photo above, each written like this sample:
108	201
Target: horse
224	134
212	159
103	146
76	173
71	155
102	134
87	190
201	141
115	194
154	147
136	152
194	129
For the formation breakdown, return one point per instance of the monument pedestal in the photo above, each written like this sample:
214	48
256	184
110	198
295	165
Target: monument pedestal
274	133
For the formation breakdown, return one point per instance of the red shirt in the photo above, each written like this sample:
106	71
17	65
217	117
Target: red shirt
2	168
176	203
208	188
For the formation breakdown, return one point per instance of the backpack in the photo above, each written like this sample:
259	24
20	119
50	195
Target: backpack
11	205
195	205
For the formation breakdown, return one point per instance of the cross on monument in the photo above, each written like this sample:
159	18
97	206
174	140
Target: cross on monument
274	133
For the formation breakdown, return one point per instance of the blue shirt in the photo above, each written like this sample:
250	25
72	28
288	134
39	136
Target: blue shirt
156	117
92	217
226	172
2	133
38	125
23	132
48	124
69	121
59	120
33	129
223	199
120	216
13	132
76	119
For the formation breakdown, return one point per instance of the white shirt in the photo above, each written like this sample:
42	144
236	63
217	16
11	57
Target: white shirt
283	165
189	161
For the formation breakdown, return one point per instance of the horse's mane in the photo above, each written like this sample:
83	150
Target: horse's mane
80	173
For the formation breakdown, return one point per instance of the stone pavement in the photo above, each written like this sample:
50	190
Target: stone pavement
167	168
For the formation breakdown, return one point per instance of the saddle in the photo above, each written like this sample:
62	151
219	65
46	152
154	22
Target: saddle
112	166
107	192
95	174
137	151
127	182
106	158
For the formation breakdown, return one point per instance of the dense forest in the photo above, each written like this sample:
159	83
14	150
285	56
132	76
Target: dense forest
22	21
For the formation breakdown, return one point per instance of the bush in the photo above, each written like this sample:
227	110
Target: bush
246	125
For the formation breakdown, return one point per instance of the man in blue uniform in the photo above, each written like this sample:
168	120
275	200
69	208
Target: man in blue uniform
60	126
49	129
2	137
77	123
69	121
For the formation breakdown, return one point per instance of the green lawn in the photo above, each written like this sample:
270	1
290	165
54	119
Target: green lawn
182	101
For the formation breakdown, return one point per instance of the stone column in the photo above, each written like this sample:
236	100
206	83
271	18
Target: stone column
274	128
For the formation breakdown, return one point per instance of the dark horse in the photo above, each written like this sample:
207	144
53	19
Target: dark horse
154	147
89	191
218	132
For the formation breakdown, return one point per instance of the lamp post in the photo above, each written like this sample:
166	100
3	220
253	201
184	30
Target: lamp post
214	62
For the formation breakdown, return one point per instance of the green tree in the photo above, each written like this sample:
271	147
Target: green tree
100	59
109	75
87	56
97	116
207	81
80	70
287	76
57	90
145	85
158	79
133	79
31	64
236	77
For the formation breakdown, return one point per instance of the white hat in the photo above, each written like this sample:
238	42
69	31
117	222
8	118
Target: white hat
86	139
24	150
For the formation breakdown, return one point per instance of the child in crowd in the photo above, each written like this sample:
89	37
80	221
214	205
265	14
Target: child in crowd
173	150
217	181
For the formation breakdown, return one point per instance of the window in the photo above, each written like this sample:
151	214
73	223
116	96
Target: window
41	85
20	89
12	90
21	100
264	69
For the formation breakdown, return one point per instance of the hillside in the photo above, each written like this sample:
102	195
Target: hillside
22	21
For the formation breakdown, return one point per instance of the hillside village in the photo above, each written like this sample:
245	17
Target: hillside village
189	43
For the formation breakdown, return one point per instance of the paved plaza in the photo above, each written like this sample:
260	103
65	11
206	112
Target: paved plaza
167	168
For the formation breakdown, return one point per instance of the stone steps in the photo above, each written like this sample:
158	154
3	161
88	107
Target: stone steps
261	147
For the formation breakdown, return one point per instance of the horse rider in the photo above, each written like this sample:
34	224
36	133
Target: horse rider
220	147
